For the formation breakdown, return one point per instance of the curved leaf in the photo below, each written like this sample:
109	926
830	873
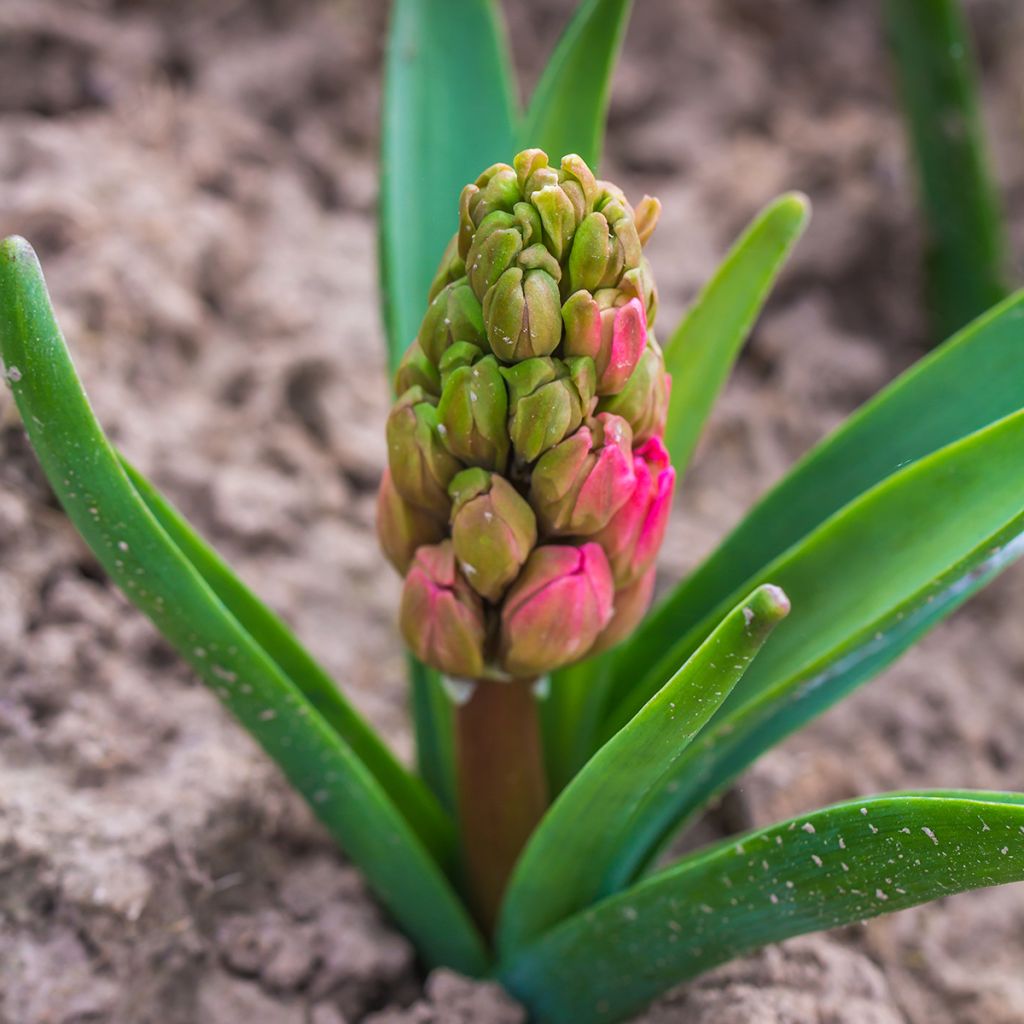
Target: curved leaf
835	866
87	477
864	586
569	106
701	352
974	379
606	810
409	794
448	114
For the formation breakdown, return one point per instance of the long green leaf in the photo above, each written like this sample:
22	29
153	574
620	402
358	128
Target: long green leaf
87	477
972	380
608	809
966	259
569	106
448	114
701	352
864	586
410	796
433	721
835	866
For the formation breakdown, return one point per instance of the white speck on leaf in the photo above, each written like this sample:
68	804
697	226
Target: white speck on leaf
808	828
930	834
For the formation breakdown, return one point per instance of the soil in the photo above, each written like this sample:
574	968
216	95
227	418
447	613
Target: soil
199	180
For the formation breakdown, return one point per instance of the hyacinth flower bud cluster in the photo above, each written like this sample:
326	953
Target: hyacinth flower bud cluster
528	488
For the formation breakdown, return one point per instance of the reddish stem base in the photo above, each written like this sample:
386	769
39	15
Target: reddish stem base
502	787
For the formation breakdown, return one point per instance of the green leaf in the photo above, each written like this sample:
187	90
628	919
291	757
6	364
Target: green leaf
410	796
608	808
433	722
972	380
864	586
570	104
966	259
833	867
101	501
701	352
448	115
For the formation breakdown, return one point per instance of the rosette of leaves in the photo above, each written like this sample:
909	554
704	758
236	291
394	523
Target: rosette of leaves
877	534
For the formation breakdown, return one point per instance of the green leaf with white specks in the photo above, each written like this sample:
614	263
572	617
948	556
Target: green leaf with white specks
577	853
835	866
136	550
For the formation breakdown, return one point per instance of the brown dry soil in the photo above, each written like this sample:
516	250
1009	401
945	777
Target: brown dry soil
199	180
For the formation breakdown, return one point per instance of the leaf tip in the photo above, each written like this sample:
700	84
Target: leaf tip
15	248
768	605
798	204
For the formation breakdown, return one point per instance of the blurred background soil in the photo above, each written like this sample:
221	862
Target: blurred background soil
199	180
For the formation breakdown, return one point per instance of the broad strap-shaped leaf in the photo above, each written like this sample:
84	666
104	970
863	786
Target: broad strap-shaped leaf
448	114
410	795
864	586
570	104
570	862
974	379
127	539
833	867
701	352
966	260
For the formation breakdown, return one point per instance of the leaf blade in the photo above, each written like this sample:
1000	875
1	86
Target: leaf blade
448	114
785	880
409	794
703	348
967	383
574	856
86	475
569	106
966	257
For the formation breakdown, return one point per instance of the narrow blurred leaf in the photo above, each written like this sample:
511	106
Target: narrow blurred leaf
433	724
86	475
972	380
864	586
448	115
607	811
570	716
833	867
409	794
570	104
701	352
967	255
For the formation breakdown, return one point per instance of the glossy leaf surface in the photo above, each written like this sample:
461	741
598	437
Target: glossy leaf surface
832	867
606	810
136	551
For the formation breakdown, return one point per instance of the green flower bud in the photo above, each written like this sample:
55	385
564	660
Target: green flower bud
579	184
472	414
496	245
462	353
590	254
416	370
454	315
645	217
421	466
522	314
526	164
493	530
558	217
548	399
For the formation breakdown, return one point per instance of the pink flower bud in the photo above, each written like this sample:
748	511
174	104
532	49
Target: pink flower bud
401	527
634	534
614	337
631	603
556	609
441	617
578	485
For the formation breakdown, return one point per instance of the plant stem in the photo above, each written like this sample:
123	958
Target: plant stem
502	788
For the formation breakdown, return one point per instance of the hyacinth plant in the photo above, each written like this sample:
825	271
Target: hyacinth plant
533	448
